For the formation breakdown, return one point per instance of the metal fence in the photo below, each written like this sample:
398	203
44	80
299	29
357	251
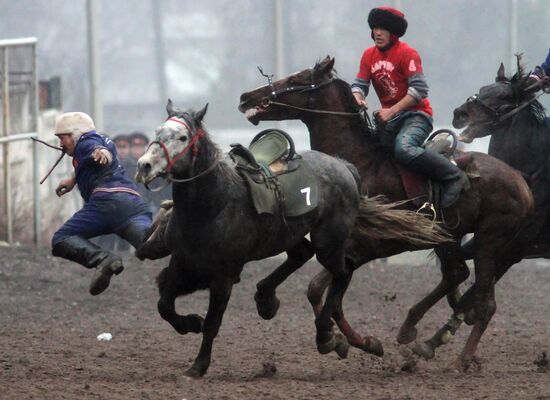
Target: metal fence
19	121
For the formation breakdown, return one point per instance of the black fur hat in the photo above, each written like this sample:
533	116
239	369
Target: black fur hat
388	18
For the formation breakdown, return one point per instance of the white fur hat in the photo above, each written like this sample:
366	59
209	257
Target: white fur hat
75	123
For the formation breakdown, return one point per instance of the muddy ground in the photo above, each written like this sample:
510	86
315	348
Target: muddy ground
49	348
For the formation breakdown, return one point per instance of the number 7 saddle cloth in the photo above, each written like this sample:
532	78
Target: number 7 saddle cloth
277	185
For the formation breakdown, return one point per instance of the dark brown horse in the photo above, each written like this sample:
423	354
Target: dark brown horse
495	207
509	111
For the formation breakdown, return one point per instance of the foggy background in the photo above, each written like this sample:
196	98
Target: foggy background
212	48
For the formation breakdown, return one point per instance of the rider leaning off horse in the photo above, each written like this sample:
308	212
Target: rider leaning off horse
395	71
111	201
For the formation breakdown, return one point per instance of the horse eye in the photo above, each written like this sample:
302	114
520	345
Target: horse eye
182	138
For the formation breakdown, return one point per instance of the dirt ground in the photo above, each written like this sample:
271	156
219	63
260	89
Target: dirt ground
49	348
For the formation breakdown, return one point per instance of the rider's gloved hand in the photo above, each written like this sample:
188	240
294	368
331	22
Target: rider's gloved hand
102	156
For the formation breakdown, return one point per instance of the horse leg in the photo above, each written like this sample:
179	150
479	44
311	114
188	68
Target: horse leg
463	312
317	288
369	344
169	290
330	254
484	306
220	291
267	302
454	271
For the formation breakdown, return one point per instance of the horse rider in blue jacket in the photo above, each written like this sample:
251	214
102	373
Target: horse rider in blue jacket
541	74
112	203
542	70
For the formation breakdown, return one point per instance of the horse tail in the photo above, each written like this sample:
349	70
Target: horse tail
380	220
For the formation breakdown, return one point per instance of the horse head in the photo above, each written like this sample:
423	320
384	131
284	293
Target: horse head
175	148
286	98
495	105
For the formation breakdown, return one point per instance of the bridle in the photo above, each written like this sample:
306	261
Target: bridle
191	146
497	116
272	99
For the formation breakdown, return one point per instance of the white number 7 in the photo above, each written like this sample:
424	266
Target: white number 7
307	191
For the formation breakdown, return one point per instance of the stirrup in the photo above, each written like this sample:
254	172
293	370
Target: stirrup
430	207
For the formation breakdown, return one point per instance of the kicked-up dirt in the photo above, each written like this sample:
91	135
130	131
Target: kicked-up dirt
49	348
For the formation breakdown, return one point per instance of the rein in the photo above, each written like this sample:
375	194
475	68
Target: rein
314	111
497	116
300	89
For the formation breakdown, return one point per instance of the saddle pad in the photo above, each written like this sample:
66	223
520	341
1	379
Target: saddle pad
300	190
295	192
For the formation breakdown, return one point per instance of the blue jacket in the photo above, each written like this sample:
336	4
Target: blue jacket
546	64
92	177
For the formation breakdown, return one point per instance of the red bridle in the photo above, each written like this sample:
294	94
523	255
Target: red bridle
192	145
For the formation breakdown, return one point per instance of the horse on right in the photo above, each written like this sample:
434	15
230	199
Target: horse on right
508	110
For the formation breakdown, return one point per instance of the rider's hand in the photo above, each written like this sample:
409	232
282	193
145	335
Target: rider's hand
102	156
386	114
360	100
65	186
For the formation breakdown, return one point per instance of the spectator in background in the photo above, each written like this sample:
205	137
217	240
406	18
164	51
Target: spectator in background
138	144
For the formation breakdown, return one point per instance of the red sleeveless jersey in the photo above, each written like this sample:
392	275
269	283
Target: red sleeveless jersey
389	71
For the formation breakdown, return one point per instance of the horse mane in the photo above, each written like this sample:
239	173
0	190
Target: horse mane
227	168
368	131
520	82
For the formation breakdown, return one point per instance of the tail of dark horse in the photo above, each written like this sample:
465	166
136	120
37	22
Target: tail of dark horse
379	220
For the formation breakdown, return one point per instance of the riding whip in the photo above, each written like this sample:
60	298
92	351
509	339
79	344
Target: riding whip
58	160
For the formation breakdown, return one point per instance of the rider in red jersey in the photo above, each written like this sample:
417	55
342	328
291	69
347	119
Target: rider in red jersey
395	70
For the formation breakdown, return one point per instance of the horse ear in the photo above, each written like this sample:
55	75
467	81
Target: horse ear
170	108
199	115
325	66
500	74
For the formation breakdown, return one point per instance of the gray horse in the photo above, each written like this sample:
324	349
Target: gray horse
214	229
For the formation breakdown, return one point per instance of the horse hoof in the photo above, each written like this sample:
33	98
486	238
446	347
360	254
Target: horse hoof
464	365
373	346
194	372
327	347
267	307
423	350
406	336
342	346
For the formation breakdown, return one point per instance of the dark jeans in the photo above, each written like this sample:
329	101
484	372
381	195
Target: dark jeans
412	129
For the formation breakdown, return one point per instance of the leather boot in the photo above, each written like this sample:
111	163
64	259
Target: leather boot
453	179
86	253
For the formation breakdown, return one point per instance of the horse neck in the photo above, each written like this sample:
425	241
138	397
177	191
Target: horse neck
339	135
521	144
206	194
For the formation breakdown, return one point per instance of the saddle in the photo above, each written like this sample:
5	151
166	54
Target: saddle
421	190
279	179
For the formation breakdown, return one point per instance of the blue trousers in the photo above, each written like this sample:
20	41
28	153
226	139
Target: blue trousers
124	214
412	129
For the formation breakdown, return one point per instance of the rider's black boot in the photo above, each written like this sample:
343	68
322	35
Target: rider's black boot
435	166
86	253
